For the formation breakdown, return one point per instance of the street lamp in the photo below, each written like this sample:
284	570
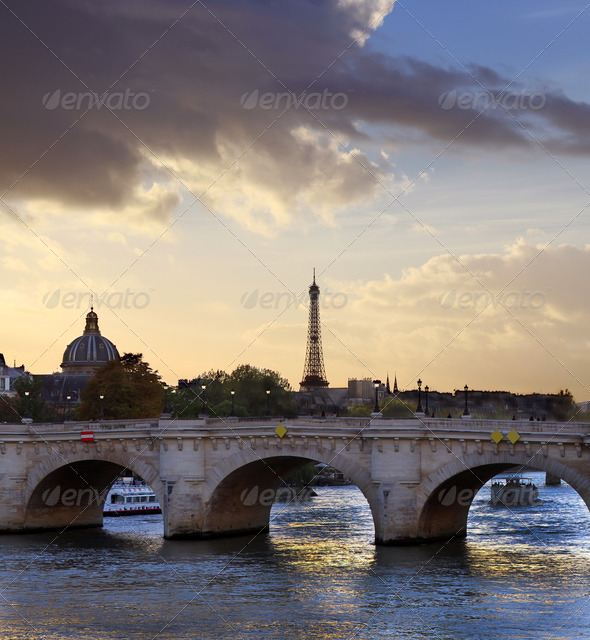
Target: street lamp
419	407
27	412
101	416
376	384
165	411
466	410
426	390
203	408
268	402
68	398
233	393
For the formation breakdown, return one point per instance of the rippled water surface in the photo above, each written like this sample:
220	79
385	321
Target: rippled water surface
521	574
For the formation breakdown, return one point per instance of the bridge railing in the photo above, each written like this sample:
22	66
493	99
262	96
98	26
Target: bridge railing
316	424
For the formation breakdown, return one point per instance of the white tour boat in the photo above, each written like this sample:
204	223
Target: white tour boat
514	491
130	497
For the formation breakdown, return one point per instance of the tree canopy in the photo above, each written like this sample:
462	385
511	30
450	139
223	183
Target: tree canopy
130	387
250	385
32	404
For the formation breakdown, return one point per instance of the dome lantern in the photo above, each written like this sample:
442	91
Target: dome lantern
91	351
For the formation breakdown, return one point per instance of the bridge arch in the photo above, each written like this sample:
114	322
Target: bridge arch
445	496
238	492
67	490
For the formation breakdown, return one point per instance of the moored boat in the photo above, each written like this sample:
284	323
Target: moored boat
514	491
328	476
130	497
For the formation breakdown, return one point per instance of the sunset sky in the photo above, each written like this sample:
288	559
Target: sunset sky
449	230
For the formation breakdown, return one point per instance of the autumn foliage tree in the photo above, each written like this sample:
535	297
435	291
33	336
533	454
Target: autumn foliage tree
130	387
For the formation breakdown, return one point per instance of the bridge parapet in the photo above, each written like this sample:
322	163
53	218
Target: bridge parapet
380	427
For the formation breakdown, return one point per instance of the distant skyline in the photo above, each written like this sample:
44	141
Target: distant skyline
195	200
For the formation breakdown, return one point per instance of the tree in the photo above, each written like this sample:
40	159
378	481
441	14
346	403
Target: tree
9	409
131	389
33	403
250	385
395	408
564	405
358	410
187	401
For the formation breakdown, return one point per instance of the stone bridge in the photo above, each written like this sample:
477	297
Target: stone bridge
418	475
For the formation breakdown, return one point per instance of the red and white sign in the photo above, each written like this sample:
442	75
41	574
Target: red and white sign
87	436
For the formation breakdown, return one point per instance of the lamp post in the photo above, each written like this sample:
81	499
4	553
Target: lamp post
419	409
27	411
101	415
466	410
376	384
232	393
426	390
165	411
68	398
203	408
268	402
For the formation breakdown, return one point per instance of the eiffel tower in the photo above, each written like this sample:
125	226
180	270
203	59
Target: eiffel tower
314	374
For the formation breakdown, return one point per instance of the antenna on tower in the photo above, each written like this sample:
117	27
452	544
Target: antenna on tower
314	374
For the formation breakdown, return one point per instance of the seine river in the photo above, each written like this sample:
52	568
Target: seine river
521	574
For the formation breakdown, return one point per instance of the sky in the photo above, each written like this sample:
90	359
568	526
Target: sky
189	164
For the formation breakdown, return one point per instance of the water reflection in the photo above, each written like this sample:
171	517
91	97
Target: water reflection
317	575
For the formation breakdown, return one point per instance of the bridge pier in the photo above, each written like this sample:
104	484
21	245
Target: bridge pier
550	479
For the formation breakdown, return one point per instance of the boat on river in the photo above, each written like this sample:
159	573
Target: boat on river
327	476
129	497
514	491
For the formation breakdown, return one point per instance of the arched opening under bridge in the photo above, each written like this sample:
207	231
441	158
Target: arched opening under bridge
445	512
72	495
254	494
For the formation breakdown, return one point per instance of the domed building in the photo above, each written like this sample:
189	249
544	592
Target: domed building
89	352
82	358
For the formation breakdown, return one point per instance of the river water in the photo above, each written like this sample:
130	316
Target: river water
521	574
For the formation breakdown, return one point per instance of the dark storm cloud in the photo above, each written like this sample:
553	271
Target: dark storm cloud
194	74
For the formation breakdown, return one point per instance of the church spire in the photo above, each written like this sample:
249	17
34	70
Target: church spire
387	387
395	389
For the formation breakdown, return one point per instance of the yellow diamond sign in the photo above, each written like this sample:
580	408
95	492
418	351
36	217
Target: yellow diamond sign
280	431
496	436
513	436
